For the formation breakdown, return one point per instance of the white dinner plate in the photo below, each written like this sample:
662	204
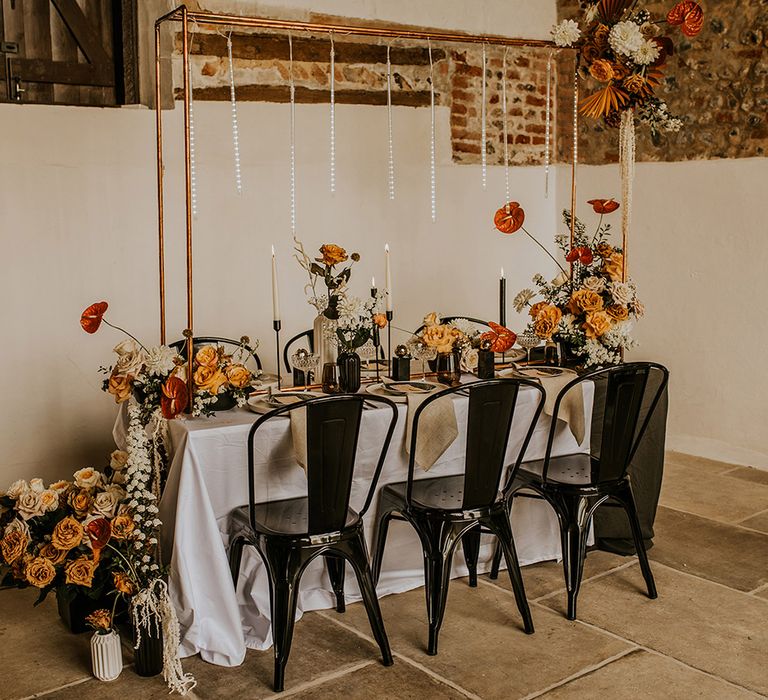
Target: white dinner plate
405	388
263	403
535	372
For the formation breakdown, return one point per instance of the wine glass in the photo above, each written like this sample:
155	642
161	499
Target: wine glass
424	353
306	362
528	340
367	353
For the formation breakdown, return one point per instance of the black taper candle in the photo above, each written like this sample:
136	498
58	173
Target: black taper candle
277	325
376	338
503	301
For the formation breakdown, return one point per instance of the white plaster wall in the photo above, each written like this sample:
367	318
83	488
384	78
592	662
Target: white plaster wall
77	195
699	253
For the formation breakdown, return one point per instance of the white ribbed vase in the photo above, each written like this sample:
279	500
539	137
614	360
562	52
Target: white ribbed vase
106	656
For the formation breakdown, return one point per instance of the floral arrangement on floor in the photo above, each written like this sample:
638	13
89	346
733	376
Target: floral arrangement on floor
594	312
624	49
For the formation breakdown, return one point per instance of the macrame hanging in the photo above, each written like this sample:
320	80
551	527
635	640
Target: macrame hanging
627	168
432	168
235	130
504	117
333	118
292	89
548	128
484	129
390	142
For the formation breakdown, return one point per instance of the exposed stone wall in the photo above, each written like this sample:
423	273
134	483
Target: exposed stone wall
717	82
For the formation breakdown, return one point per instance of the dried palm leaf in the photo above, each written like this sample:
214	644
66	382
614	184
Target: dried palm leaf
602	102
611	10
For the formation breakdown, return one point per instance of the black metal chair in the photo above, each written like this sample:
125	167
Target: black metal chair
576	485
289	534
443	509
181	345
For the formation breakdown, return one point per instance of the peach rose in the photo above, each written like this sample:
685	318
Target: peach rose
37	485
547	321
80	501
209	379
120	386
80	571
39	572
16	489
123	583
618	312
440	337
380	320
55	556
117	460
13	546
332	254
238	376
29	505
49	500
431	319
122	526
601	70
87	478
613	266
537	307
207	356
60	486
67	534
597	324
585	301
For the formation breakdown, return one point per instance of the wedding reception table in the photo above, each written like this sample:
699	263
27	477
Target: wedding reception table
207	479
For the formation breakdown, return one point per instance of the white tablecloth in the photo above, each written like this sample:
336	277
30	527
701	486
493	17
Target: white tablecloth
208	478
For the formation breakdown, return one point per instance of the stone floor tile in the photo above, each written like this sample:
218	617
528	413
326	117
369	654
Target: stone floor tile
710	466
757	476
727	554
703	624
641	674
401	681
763	593
697	490
482	646
757	522
547	577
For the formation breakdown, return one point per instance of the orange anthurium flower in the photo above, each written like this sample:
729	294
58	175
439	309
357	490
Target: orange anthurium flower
99	531
604	206
91	318
583	254
175	397
502	339
509	218
688	14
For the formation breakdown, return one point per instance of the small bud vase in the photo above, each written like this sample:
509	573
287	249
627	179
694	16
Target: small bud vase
106	655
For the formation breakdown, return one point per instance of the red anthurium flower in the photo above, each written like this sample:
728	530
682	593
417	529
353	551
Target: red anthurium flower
175	397
99	531
604	206
502	339
582	253
688	14
509	218
573	256
92	316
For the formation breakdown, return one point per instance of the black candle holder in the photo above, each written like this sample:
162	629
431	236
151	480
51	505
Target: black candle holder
390	316
277	325
486	364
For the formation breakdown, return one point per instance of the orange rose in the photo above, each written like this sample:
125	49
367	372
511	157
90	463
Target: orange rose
537	307
80	571
100	619
441	337
618	312
613	266
597	324
120	386
547	321
620	71
39	572
604	250
600	35
52	554
590	52
332	254
122	526
601	70
634	83
585	301
238	376
207	356
209	379
380	320
13	546
123	583
67	534
81	501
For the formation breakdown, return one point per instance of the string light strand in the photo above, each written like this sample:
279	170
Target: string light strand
192	158
484	129
293	134
333	117
432	165
391	165
505	128
548	128
235	129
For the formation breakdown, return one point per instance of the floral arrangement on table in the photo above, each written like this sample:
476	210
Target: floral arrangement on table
593	312
217	373
356	318
624	49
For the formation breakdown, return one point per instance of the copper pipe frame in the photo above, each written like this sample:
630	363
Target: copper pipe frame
184	16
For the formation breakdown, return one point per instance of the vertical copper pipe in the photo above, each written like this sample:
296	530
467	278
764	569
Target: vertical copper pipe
188	198
575	155
160	214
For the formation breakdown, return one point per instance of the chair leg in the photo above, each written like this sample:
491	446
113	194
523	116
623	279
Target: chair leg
285	571
573	514
335	566
627	499
502	528
387	507
471	544
496	563
235	557
358	558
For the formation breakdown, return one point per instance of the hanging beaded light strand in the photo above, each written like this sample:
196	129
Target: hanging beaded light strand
627	167
432	167
548	128
333	117
292	88
192	159
484	129
504	117
575	163
235	129
391	152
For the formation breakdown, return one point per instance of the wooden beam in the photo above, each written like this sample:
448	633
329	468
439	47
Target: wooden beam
86	38
304	95
41	71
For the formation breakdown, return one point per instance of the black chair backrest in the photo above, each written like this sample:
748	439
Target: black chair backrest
492	407
197	342
333	427
625	397
450	319
309	335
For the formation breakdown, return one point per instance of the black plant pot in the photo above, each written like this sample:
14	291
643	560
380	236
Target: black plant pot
148	658
224	402
74	608
349	372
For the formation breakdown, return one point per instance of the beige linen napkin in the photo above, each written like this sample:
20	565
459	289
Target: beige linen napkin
437	429
572	405
298	428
